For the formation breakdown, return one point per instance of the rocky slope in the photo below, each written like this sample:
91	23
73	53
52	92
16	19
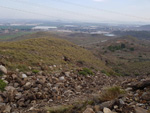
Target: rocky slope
27	91
37	93
135	100
48	75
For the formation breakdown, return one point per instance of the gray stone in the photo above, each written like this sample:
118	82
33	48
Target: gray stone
3	69
121	102
62	78
89	110
67	74
7	109
24	76
18	96
129	89
107	110
108	104
9	88
27	86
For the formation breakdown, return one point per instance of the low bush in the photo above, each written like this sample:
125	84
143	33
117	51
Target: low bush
111	93
86	71
2	85
105	72
35	71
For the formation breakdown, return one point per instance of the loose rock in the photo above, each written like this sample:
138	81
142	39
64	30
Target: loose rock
3	69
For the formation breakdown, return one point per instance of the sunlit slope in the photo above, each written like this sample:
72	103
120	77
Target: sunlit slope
46	51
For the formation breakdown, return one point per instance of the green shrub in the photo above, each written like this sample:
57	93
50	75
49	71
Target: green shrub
22	68
86	71
105	72
2	85
132	49
116	47
102	71
35	71
82	73
123	46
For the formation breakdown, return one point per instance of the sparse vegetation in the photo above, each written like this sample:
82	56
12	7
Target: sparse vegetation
105	72
46	51
86	71
60	109
76	107
35	71
131	49
2	85
13	35
111	93
116	47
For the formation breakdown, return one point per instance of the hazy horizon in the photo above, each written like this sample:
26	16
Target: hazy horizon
111	11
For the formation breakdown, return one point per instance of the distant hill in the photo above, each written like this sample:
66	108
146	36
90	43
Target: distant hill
137	34
126	55
46	51
145	27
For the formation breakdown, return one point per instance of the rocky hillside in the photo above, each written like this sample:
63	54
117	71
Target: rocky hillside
70	92
34	92
126	55
49	75
43	53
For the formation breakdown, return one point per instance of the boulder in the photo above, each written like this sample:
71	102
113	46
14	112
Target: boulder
27	86
146	96
9	88
24	76
89	110
7	109
16	85
67	74
108	104
140	110
107	110
3	69
62	78
96	108
140	84
14	76
18	96
121	102
129	89
41	79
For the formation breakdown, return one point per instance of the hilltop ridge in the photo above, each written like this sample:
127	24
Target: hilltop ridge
46	51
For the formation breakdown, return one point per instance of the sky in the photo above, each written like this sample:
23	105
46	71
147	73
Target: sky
77	10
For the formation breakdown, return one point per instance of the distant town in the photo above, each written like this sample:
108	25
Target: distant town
14	29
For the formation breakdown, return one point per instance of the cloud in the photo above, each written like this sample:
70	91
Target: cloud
99	0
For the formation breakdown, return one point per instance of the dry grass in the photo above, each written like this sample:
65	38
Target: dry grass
111	93
60	109
76	107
